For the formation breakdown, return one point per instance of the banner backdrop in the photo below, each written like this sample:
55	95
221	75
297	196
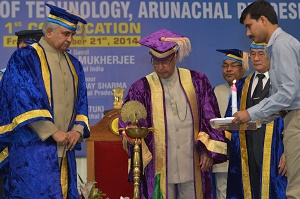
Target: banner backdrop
110	54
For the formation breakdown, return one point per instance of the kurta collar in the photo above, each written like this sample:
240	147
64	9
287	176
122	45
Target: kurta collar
172	79
50	49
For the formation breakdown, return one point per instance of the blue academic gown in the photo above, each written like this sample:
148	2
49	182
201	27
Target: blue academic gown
3	158
273	185
25	97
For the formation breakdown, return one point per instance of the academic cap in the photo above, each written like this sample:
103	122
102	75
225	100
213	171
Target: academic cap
64	18
258	45
164	43
237	56
29	36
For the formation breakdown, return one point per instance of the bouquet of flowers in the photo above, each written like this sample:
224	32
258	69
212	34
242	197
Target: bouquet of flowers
87	190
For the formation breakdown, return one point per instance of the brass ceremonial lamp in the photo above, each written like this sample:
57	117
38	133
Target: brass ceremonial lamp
132	111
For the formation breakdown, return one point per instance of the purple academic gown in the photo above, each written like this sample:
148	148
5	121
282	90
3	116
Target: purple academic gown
204	107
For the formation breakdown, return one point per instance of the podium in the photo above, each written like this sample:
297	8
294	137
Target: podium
107	161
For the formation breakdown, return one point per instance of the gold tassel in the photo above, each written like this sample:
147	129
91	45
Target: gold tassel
83	31
184	46
82	25
64	178
245	61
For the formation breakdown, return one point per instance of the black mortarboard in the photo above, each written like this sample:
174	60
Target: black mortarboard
29	36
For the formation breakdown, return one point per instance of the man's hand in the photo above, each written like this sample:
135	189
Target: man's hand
205	161
60	137
282	166
241	117
74	136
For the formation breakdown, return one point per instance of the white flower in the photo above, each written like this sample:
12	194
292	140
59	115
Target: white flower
88	190
85	189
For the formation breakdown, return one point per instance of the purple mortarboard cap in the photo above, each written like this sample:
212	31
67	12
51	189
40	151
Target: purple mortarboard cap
164	43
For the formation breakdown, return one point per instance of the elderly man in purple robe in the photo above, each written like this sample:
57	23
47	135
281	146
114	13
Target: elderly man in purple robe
178	155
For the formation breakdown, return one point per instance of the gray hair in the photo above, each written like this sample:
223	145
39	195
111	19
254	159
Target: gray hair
48	24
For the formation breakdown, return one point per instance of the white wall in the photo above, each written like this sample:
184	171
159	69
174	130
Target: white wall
81	168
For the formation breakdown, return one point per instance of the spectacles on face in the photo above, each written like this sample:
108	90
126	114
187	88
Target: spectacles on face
163	63
259	54
232	65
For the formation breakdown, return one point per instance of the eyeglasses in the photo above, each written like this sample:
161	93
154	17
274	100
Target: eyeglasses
259	54
164	63
232	65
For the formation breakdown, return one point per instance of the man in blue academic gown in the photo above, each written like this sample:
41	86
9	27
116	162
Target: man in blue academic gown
43	113
257	165
25	37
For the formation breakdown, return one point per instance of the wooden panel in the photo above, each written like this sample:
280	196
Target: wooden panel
102	130
90	160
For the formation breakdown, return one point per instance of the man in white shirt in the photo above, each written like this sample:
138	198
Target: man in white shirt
260	20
